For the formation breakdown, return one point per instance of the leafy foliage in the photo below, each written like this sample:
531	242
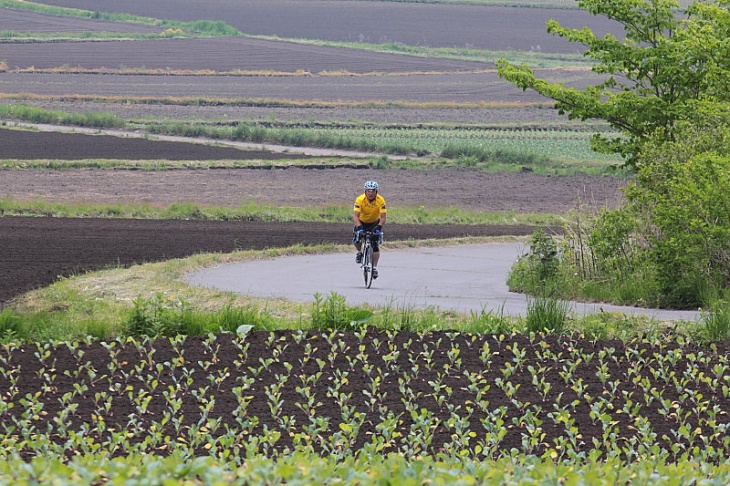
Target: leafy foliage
665	89
653	78
685	201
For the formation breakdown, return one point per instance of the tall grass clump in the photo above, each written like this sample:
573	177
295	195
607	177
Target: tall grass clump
167	315
716	320
11	325
408	318
332	313
230	318
489	322
472	154
545	314
32	114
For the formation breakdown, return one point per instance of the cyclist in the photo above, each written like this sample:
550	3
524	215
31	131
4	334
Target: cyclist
369	215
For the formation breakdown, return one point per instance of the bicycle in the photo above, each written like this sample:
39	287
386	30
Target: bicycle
367	255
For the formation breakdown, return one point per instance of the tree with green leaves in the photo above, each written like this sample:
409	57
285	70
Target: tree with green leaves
668	62
665	89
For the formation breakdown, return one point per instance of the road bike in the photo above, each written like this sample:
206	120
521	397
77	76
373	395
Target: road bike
367	255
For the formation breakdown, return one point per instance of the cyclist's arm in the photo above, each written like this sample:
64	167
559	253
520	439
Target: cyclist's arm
356	218
382	219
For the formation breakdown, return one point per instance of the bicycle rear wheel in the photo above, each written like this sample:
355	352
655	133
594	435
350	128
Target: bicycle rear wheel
367	265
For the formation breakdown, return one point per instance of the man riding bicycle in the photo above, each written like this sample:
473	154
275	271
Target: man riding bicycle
369	215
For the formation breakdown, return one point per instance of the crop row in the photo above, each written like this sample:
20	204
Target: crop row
376	392
548	144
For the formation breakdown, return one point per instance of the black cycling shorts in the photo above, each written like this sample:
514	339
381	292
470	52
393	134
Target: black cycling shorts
367	227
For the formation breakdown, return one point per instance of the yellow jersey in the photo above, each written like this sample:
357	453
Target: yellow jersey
370	211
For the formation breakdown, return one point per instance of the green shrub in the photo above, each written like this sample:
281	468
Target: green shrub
212	27
146	318
543	255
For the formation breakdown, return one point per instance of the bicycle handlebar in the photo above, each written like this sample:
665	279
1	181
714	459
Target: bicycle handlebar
370	235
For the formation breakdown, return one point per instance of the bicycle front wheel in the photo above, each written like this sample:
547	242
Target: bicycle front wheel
367	267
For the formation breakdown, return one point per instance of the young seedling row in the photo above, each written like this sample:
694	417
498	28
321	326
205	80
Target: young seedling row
369	391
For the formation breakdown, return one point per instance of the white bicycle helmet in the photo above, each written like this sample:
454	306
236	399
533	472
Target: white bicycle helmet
371	185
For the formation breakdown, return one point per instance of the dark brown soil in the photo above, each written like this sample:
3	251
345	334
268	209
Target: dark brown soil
221	54
423	383
32	145
443	88
38	251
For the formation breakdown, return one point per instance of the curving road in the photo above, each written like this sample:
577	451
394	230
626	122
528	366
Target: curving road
468	278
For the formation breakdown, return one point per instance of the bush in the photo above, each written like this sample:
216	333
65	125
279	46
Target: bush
682	197
213	27
665	248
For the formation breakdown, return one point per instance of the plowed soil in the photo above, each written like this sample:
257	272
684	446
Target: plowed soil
490	27
425	385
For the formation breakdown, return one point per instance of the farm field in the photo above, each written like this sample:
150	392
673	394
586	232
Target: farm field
274	79
580	404
23	239
25	21
490	27
377	391
406	84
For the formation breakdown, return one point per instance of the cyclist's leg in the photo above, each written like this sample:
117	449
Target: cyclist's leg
356	241
376	252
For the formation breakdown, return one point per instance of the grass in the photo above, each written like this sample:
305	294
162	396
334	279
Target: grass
253	211
154	298
37	115
534	58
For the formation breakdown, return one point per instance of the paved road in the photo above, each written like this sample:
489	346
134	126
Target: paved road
462	278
